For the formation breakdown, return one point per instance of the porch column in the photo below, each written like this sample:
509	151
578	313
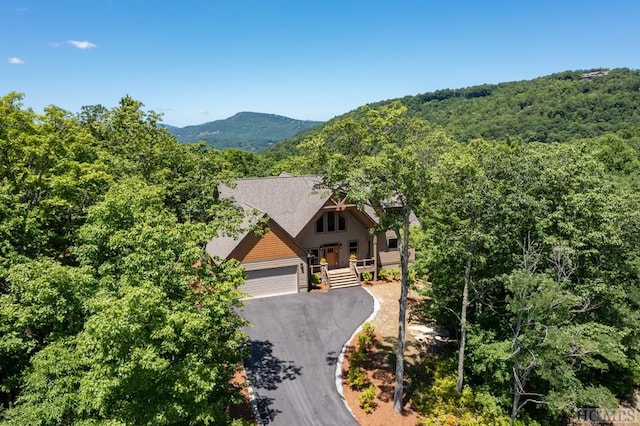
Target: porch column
375	257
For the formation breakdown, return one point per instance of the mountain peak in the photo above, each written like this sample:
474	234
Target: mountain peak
253	131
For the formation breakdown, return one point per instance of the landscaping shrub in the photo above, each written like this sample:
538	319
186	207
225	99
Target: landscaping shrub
366	337
367	276
357	377
384	274
357	357
396	274
392	274
368	399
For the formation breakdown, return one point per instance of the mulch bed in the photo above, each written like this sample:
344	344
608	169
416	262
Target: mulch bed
241	410
382	375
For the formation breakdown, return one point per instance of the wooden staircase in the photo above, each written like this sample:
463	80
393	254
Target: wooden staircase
339	278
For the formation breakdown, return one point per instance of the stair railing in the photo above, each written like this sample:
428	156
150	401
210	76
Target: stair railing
324	271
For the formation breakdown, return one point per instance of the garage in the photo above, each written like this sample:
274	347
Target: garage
271	282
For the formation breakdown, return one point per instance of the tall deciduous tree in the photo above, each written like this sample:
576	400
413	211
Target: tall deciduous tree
133	137
156	335
463	183
110	311
381	158
49	173
537	333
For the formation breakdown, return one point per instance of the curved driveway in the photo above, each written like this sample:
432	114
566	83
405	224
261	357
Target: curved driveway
295	343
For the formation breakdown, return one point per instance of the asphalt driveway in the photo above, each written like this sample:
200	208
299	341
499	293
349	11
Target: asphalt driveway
295	343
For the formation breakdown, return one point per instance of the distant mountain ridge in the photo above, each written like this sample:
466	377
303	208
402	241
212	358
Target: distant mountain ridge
560	107
250	131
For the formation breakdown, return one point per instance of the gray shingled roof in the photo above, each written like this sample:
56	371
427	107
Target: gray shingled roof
222	246
291	201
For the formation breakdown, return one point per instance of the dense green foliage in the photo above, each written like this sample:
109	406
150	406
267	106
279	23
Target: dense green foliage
529	252
555	108
246	130
528	198
110	312
554	277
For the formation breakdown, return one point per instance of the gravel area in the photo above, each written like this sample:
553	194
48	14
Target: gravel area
386	321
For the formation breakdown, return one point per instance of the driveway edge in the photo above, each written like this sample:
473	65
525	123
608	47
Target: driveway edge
376	307
253	401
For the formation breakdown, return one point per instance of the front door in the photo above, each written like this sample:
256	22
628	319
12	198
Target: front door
331	254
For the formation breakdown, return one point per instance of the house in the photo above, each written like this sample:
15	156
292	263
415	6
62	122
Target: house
593	74
308	231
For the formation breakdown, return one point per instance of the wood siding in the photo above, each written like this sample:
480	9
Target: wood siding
355	231
274	244
390	257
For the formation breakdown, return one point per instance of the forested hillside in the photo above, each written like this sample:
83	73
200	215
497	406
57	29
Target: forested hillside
110	313
554	108
246	130
527	253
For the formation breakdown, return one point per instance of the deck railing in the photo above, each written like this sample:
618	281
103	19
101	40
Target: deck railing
314	269
364	263
357	266
360	265
322	269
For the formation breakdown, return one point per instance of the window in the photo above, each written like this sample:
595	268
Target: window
392	243
353	247
331	222
342	222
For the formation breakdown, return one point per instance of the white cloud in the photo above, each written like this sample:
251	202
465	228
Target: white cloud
81	44
16	61
55	44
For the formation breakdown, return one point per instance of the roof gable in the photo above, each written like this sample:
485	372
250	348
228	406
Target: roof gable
221	246
274	244
291	201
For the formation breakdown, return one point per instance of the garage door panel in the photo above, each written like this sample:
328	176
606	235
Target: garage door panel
271	282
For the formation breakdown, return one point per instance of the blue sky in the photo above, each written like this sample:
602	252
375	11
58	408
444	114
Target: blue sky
198	61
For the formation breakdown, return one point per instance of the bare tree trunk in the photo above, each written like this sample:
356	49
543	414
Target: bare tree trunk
404	264
463	317
517	384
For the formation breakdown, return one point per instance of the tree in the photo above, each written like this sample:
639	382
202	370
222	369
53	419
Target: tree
459	214
110	311
534	331
461	180
381	159
133	138
155	340
46	303
550	343
50	171
245	163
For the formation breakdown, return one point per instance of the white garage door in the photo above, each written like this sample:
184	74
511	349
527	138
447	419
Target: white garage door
271	282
